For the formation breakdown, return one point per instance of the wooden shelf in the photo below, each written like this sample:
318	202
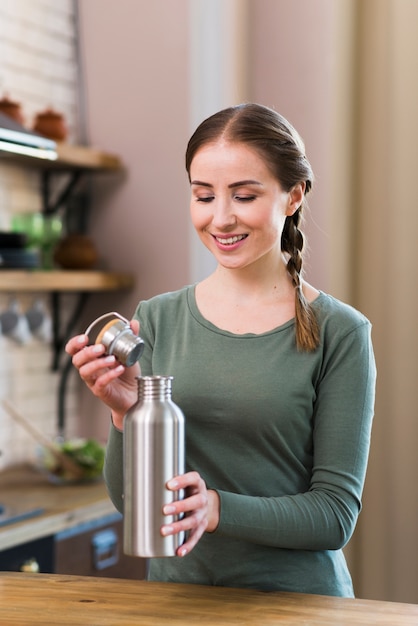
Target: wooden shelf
62	280
70	157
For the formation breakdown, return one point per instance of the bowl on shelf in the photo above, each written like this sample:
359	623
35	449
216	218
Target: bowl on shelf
88	454
18	258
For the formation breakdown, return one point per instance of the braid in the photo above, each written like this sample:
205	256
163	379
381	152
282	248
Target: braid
307	329
282	149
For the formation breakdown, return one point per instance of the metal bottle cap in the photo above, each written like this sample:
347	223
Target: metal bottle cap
117	337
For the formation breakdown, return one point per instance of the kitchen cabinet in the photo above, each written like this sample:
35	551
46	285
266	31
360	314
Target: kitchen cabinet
34	556
93	548
68	529
90	549
96	549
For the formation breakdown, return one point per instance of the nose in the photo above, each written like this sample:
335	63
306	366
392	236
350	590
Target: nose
223	214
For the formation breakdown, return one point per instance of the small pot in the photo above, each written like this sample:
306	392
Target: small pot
51	124
76	252
11	109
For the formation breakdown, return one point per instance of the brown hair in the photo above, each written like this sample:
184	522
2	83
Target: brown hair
283	151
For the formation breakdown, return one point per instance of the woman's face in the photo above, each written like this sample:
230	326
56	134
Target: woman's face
238	207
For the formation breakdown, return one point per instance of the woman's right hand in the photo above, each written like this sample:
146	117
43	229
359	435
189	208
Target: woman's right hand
108	379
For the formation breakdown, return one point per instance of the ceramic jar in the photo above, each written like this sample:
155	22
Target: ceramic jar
11	109
76	251
51	124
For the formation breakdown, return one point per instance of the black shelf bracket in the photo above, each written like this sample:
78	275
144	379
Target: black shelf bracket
59	339
49	205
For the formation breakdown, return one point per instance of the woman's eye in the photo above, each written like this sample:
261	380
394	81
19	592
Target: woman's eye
245	198
204	199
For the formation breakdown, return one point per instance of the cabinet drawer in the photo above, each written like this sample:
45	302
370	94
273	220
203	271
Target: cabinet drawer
35	556
96	549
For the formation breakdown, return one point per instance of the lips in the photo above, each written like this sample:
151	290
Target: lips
229	241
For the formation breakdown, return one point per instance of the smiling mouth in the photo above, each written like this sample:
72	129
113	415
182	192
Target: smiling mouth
229	241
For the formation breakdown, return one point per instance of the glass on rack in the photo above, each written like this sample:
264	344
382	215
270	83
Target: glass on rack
42	232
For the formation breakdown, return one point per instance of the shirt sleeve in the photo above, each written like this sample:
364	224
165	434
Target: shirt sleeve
113	467
325	516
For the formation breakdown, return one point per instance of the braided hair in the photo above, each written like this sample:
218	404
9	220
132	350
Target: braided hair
283	151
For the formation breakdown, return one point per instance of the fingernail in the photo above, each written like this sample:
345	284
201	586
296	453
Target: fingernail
81	338
172	484
98	348
166	530
182	551
168	509
110	359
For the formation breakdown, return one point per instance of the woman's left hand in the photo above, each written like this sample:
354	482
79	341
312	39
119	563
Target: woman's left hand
199	510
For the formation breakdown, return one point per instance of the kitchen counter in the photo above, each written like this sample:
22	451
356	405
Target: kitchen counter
39	599
64	506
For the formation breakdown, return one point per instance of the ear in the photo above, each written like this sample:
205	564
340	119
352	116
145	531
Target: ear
295	198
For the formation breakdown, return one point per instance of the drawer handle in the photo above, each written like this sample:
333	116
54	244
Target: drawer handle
105	549
30	566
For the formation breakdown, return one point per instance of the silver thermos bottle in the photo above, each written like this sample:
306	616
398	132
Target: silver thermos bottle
154	452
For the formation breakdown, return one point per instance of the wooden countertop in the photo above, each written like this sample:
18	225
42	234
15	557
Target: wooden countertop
39	599
65	506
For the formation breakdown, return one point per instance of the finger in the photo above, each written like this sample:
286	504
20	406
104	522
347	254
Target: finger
99	383
185	522
94	370
134	324
184	481
89	354
192	511
194	530
191	541
75	344
191	503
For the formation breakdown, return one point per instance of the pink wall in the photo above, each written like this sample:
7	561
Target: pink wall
136	71
292	59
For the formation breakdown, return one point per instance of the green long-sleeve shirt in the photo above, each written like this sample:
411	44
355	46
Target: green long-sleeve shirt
282	435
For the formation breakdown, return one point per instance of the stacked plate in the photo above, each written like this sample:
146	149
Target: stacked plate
13	253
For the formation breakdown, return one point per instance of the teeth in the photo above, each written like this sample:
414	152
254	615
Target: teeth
230	240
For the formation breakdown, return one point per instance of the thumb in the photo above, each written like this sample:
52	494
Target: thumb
134	324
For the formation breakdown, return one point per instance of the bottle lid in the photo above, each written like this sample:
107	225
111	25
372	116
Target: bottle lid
117	337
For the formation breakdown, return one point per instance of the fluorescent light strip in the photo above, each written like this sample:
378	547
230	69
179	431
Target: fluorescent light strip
39	153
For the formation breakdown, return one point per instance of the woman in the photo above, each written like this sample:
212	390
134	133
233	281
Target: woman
276	378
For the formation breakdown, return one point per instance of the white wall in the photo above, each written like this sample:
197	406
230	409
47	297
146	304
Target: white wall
38	68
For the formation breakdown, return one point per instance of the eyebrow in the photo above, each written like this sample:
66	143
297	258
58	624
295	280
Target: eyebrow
239	183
